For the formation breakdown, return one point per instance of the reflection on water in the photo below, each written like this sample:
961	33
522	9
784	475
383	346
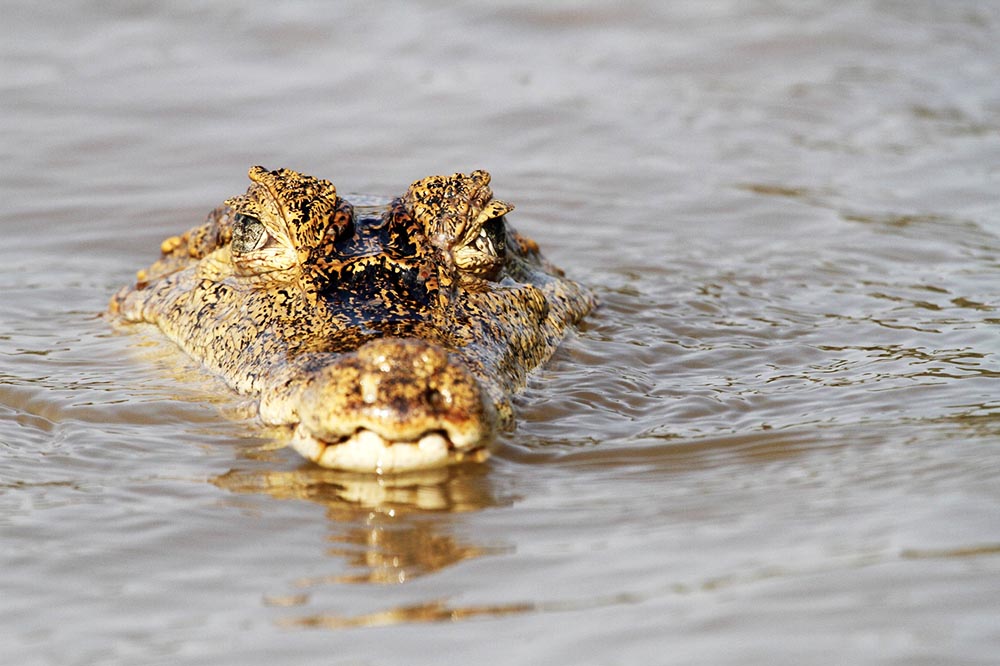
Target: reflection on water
451	490
378	528
434	611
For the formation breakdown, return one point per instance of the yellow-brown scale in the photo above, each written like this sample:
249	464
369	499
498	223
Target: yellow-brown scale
385	341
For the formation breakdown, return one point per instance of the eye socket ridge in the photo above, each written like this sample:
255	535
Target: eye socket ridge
248	234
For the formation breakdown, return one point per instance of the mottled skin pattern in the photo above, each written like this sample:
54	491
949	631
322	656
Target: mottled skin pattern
386	339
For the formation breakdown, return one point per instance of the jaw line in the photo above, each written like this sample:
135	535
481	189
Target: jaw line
366	451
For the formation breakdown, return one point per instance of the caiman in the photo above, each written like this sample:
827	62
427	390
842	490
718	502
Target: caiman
386	337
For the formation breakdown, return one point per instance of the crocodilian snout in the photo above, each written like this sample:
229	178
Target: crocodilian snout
392	405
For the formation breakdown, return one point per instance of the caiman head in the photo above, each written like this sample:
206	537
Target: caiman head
387	338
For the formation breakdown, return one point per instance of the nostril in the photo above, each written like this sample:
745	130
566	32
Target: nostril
435	399
432	397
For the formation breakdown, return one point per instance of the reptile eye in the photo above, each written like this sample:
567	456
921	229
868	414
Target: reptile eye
493	237
248	234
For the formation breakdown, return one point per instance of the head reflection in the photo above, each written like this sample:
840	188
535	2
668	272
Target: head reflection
383	526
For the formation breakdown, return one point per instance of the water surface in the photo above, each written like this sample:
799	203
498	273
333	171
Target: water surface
775	442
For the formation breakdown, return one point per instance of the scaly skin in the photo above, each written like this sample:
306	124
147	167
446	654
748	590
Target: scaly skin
386	340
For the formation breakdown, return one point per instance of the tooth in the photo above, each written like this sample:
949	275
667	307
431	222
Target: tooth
433	442
366	451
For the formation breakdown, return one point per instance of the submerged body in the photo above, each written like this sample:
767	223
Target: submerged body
386	338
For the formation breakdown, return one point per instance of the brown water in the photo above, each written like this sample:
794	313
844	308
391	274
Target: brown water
777	442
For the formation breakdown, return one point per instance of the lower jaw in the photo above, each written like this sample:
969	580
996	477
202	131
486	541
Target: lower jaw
366	451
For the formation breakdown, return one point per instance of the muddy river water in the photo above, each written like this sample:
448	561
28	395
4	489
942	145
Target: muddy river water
776	442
